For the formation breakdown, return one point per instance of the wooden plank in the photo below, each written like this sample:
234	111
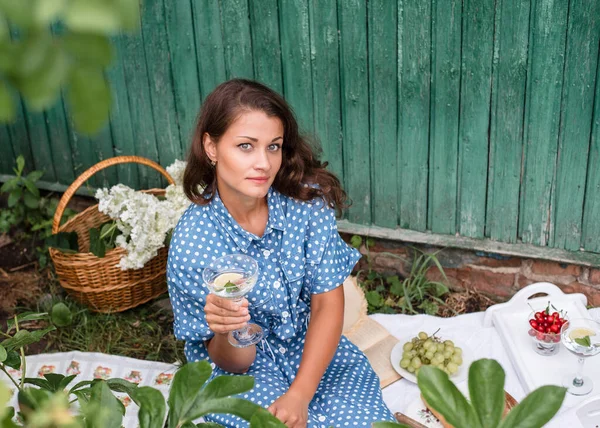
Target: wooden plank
473	141
162	99
591	210
575	130
40	150
325	63
142	119
237	42
184	71
474	244
295	54
266	46
383	90
58	134
209	45
414	103
19	135
445	92
355	107
506	134
546	53
7	156
120	116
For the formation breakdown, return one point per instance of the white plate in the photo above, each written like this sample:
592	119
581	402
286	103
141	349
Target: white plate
459	376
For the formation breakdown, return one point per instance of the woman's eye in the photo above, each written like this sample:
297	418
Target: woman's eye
274	147
244	146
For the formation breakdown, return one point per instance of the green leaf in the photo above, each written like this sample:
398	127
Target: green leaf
24	338
89	49
3	354
20	164
395	286
47	11
25	317
13	360
14	197
356	241
78	386
205	425
486	389
41	383
264	419
374	298
34	176
121	385
7	104
42	87
93	16
31	399
89	99
31	187
225	386
61	315
63	241
152	407
97	246
187	382
535	410
584	341
442	395
31	201
9	185
233	406
102	395
4	399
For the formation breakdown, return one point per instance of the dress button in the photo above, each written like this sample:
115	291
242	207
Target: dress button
277	284
282	350
285	314
266	253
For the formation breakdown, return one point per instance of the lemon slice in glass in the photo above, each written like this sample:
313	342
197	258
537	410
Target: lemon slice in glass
580	333
224	278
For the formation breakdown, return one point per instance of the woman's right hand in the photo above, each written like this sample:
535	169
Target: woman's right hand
223	315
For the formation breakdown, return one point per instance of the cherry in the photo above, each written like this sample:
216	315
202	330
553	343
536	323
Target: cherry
533	323
556	315
554	329
539	335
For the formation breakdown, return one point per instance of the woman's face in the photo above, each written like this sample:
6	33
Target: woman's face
248	155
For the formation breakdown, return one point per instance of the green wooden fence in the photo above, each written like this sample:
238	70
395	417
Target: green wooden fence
474	118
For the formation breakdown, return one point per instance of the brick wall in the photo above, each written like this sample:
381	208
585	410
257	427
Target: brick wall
497	276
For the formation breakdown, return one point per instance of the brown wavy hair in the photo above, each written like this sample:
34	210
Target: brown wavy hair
299	167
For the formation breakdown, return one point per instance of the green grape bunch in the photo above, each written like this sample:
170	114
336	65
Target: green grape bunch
425	350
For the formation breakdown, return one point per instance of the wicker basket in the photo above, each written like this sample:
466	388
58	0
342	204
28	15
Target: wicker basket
99	283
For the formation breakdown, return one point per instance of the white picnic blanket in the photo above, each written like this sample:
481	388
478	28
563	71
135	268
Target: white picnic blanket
483	342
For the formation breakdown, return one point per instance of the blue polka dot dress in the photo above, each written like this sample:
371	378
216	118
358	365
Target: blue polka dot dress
299	254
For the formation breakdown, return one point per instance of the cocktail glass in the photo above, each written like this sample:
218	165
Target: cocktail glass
232	277
581	336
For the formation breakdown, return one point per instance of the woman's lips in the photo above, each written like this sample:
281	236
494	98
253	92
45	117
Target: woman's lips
259	180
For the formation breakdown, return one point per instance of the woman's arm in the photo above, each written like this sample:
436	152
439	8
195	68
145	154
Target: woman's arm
321	342
223	316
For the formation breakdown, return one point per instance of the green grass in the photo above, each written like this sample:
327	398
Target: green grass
144	332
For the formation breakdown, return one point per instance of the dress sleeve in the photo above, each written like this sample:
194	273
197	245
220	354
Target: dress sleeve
188	297
338	258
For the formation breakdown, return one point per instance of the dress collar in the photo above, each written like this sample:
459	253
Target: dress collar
240	236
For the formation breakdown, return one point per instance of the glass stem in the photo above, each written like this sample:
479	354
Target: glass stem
578	381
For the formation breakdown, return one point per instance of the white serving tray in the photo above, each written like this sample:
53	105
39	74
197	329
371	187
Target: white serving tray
510	320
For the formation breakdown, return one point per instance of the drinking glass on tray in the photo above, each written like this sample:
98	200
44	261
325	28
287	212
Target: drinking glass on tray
581	336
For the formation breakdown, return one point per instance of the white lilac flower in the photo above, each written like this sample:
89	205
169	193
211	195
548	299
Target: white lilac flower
143	219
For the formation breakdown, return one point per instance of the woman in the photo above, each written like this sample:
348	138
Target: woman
265	195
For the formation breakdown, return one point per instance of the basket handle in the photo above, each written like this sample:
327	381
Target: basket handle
66	197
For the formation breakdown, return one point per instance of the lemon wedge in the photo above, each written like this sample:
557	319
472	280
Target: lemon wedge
580	333
224	278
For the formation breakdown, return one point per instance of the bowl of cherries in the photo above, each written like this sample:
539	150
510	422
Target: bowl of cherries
544	329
